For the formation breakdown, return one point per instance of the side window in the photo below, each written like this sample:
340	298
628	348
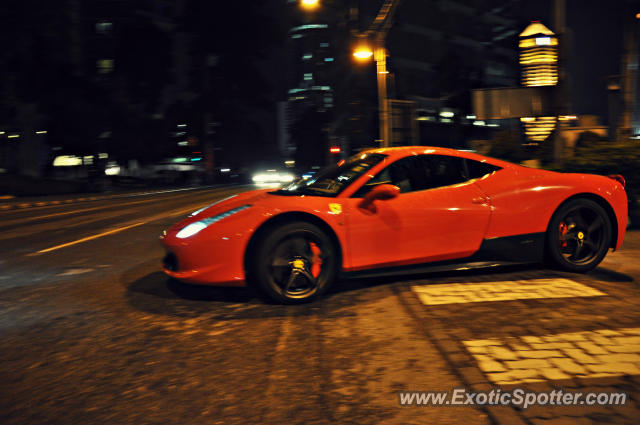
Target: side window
407	173
424	172
477	169
444	170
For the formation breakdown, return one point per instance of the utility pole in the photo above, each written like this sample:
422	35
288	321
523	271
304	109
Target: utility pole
629	77
377	32
561	99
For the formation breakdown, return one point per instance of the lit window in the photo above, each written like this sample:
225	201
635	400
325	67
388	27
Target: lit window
308	27
105	66
307	56
328	59
324	44
308	77
543	41
104	28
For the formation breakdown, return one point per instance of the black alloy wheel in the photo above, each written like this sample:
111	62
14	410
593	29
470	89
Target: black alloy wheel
579	235
295	263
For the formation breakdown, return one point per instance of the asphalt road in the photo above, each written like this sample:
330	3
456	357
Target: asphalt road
92	332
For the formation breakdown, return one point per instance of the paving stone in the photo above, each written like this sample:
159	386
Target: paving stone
600	340
478	350
569	366
579	355
532	339
613	358
591	348
552	373
518	346
627	340
514	376
482	342
539	354
623	368
574	336
632	348
502	353
527	364
552	345
491	366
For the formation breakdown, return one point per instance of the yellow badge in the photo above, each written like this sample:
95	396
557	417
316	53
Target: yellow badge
335	208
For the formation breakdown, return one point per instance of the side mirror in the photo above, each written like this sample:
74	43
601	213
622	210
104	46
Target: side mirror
382	192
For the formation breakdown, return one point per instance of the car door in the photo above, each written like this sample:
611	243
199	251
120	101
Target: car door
439	215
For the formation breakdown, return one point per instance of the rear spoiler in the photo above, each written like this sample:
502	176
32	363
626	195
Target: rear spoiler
618	178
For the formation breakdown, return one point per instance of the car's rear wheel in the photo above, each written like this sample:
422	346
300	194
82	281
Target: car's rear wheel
579	235
295	263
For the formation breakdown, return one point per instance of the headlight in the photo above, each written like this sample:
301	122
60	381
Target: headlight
286	177
199	225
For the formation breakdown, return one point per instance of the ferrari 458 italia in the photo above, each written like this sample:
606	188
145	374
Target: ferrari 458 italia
398	210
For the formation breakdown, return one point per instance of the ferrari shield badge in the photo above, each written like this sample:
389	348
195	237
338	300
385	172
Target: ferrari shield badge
335	208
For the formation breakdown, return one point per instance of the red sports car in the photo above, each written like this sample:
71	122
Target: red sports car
398	210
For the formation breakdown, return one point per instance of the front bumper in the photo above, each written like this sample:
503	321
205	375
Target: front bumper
204	261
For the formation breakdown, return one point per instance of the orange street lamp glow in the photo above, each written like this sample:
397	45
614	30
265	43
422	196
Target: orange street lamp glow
363	53
309	4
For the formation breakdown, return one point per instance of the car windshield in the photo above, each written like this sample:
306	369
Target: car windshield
333	179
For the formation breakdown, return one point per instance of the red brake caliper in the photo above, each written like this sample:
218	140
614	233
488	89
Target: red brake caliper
563	231
316	261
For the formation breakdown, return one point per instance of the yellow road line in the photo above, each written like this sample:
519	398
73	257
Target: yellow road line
88	238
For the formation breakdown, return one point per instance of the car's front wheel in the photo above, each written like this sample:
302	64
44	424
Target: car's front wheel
579	235
295	263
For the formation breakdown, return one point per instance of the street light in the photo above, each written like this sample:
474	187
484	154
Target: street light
377	31
309	4
364	53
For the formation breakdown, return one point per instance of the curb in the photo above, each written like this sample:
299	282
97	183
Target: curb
32	204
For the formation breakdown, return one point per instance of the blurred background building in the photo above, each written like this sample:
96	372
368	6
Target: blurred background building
234	84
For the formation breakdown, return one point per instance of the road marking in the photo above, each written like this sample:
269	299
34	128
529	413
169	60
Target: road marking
588	354
459	293
88	238
73	272
120	229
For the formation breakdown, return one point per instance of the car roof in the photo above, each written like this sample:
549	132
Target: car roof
402	151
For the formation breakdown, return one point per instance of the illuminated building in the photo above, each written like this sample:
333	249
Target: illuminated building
309	77
539	62
538	56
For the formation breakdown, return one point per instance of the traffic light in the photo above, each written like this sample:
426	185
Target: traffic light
334	149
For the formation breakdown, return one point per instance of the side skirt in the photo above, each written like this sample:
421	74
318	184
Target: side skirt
520	249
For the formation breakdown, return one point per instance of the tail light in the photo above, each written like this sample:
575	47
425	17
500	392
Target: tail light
618	178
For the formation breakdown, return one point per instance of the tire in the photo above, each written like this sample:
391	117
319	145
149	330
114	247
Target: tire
578	236
294	263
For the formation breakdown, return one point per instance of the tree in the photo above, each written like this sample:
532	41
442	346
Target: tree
506	145
611	157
